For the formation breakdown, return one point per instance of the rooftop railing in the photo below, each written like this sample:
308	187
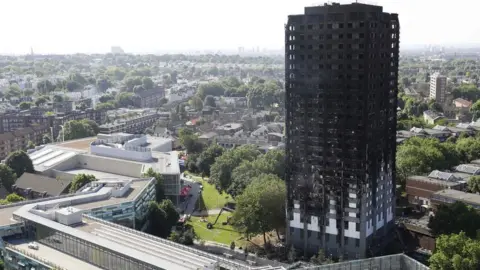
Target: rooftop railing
223	261
33	257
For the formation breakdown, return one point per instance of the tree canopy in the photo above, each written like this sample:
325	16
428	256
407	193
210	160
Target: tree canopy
456	252
221	170
81	180
455	218
162	217
261	208
474	184
207	158
189	140
422	155
159	189
273	162
7	177
20	162
77	129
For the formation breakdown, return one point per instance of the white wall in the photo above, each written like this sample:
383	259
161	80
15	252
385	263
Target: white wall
121	153
115	166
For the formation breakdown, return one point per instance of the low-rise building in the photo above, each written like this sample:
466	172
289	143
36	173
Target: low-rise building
20	138
129	146
64	161
471	169
442	135
134	124
449	196
229	129
420	189
150	98
33	186
431	117
13	121
461	103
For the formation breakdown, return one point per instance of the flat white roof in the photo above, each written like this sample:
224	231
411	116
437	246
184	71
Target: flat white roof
165	163
51	155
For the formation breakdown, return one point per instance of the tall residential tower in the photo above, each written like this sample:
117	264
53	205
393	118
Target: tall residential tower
438	87
341	72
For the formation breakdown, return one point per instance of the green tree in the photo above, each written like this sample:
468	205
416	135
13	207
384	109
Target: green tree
319	258
455	252
81	180
454	218
115	73
105	106
58	98
13	198
125	99
77	129
138	89
103	84
190	141
261	208
221	170
106	98
73	86
157	221
273	162
25	105
45	86
7	177
214	89
46	139
191	163
162	217
159	188
475	110
147	83
422	155
207	158
20	163
131	82
196	103
171	211
209	101
40	101
474	184
468	148
30	145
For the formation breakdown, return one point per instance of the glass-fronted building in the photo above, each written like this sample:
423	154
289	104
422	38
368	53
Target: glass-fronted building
126	213
84	250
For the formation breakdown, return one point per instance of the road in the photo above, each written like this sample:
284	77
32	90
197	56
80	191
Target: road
189	205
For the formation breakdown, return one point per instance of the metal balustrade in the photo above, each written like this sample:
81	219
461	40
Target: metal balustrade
33	257
222	261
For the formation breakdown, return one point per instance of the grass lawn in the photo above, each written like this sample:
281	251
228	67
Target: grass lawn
211	198
224	234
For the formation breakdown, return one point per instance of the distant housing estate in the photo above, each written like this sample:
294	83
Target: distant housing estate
19	138
130	124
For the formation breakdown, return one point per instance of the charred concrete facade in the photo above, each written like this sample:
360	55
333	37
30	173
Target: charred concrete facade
341	72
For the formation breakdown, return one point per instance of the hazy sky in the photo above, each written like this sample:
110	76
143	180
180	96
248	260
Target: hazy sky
69	26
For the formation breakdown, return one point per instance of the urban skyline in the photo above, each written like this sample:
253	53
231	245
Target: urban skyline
152	27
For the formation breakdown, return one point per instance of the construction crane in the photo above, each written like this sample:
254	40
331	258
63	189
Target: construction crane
228	209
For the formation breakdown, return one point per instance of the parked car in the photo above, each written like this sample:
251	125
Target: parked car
33	246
